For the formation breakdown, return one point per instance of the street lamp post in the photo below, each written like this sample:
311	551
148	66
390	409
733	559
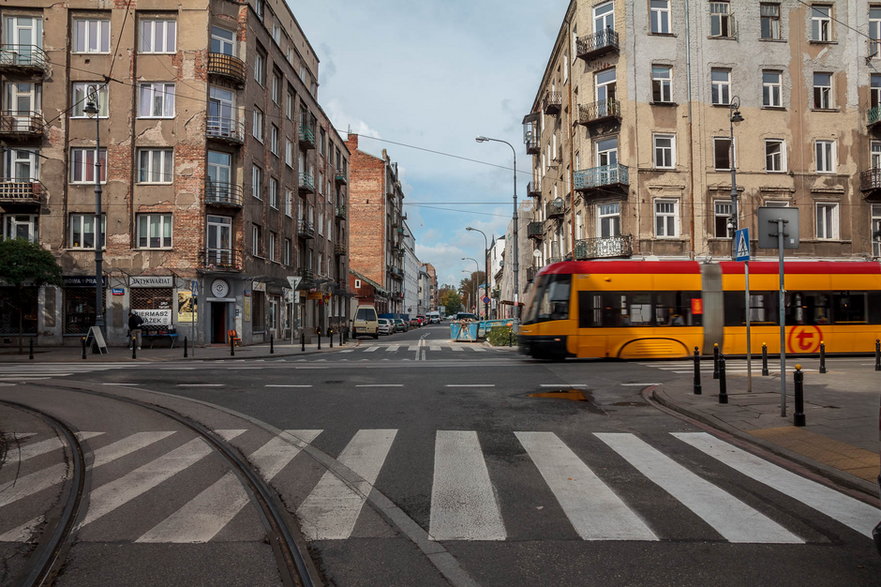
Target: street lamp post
485	271
515	250
474	283
91	109
735	116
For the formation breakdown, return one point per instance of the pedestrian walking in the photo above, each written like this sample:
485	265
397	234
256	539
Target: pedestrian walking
134	328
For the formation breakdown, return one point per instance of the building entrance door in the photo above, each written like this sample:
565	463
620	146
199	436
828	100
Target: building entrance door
218	322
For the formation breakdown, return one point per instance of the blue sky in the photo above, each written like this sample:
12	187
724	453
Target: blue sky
434	74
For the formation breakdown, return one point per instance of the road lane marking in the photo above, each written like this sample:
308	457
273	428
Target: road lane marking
463	501
380	385
287	385
639	384
470	385
392	348
732	518
563	385
200	384
371	349
29	451
592	507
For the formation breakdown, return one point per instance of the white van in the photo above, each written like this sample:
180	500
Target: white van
365	322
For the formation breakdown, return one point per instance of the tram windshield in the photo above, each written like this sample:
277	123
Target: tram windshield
551	300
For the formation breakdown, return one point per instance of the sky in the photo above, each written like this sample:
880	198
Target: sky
415	76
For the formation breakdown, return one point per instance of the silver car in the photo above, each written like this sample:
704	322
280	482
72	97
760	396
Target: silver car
385	326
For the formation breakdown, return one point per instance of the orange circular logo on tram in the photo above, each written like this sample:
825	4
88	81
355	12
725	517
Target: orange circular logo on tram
804	339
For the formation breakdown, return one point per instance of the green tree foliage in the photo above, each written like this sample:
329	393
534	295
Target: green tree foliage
450	299
25	264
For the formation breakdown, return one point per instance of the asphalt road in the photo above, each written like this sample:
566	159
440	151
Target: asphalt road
420	461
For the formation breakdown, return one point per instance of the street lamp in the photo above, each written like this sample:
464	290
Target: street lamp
733	116
91	110
473	282
485	271
516	268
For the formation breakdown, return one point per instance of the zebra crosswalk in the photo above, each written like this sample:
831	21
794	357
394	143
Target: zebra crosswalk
22	373
467	501
732	366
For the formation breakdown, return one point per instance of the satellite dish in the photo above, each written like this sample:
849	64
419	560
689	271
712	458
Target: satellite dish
558	202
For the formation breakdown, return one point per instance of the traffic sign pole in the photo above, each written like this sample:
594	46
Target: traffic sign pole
741	253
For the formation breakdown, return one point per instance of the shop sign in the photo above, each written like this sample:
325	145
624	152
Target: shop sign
80	281
117	291
154	317
151	281
314	295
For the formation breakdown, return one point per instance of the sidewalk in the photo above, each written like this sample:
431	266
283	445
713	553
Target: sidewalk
840	439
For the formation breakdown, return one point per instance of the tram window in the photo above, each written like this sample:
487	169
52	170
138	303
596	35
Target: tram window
609	309
849	307
762	308
552	301
874	305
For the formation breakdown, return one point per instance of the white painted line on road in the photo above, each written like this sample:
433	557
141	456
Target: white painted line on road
860	516
119	383
200	384
380	385
639	384
286	385
733	519
31	377
594	510
29	451
4	384
371	349
563	385
470	385
177	369
463	501
392	347
315	368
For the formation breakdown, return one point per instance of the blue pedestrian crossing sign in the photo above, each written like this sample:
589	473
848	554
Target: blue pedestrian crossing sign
741	244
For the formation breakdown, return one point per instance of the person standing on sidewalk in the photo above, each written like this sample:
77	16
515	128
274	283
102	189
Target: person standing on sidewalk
134	328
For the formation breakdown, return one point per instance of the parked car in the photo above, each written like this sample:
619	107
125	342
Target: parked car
365	322
385	326
401	325
434	317
414	323
423	320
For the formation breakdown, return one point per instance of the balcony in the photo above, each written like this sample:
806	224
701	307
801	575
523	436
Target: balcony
533	189
21	125
603	176
595	112
17	191
874	117
396	272
531	272
553	102
228	195
870	184
535	230
532	147
339	249
227	66
305	229
306	184
341	211
23	59
228	130
306	136
599	43
601	248
221	260
341	179
552	210
305	273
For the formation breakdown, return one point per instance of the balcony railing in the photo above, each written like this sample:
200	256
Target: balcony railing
553	211
532	147
874	116
396	272
306	136
599	43
605	175
21	124
21	191
599	247
228	66
339	249
306	183
870	180
341	211
218	193
533	189
341	179
305	273
228	130
535	230
221	259
553	102
23	58
597	111
305	229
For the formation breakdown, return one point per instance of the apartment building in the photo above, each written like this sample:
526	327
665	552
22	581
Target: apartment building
376	202
645	108
223	182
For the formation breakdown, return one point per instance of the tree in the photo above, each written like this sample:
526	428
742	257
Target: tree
451	300
23	265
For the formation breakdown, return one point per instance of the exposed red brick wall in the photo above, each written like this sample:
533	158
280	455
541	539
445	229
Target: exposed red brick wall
366	212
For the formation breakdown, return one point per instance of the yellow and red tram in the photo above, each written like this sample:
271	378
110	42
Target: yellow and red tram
634	309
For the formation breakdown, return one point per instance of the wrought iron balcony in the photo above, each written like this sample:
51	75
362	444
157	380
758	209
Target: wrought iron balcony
306	184
228	130
599	43
305	273
306	136
341	211
396	272
219	193
305	229
341	179
599	111
603	176
18	124
533	189
23	58
600	248
339	249
21	191
535	230
553	211
870	183
553	102
227	66
874	117
221	259
532	147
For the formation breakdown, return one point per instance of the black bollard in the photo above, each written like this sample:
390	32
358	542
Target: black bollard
822	357
715	360
697	372
232	347
302	342
83	340
330	336
271	344
798	418
877	355
134	342
723	386
185	348
31	349
341	337
765	371
319	340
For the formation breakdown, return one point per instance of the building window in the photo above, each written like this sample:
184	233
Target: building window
660	16
825	155
273	238
260	67
875	155
275	89
666	218
770	20
286	252
288	202
874	31
722	210
82	231
222	41
82	165
290	105
609	220
273	193
83	92
720	86
772	89
156	100
257	126
827	220
774	155
821	23
22	226
91	35
721	20
155	165
273	139
158	36
722	153
288	152
822	91
21	165
257	182
662	83
876	230
874	91
665	155
154	231
257	240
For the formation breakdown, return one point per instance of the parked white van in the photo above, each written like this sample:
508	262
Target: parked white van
365	322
